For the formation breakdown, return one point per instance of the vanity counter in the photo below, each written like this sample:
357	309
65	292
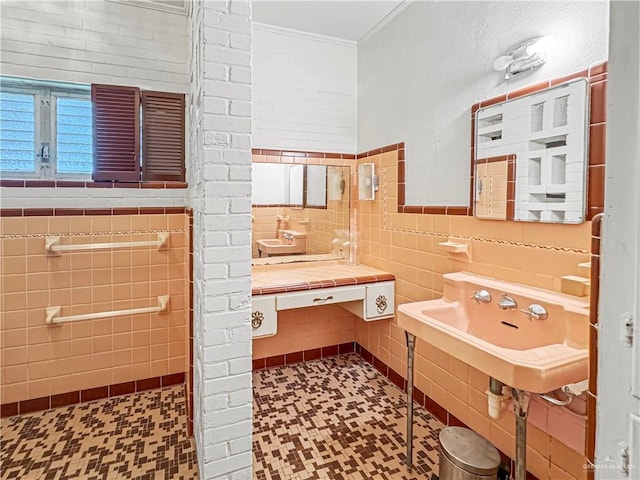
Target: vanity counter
294	277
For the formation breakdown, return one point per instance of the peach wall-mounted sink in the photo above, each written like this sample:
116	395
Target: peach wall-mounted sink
289	242
538	356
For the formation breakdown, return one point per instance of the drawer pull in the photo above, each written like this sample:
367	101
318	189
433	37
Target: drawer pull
323	300
256	319
381	303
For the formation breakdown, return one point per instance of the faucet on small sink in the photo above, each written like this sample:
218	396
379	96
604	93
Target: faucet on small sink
507	303
481	296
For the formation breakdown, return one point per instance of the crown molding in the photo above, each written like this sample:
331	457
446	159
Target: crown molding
157	5
382	23
300	34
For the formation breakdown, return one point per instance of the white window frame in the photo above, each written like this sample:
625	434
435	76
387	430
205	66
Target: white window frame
45	96
53	144
37	98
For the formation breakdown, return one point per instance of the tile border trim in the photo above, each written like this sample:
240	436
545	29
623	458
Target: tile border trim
319	284
66	212
302	153
82	396
30	183
303	356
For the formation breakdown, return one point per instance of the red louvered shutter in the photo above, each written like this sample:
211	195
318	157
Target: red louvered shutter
163	136
116	133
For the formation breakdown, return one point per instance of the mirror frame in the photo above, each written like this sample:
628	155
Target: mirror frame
512	156
344	160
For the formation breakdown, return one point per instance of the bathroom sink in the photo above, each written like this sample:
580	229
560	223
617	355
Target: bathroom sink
289	242
535	355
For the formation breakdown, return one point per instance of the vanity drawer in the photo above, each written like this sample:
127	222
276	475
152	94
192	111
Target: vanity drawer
380	300
323	296
264	317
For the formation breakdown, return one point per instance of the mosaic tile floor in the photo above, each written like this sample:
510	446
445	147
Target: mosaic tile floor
137	436
336	418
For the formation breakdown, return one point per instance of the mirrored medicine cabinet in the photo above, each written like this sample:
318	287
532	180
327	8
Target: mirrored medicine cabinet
312	200
531	156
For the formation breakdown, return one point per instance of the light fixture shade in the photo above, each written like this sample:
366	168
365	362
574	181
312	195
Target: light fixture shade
501	63
528	56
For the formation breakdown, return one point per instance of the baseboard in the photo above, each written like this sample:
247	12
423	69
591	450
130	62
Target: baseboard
82	396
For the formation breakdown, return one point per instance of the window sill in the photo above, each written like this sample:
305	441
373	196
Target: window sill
89	184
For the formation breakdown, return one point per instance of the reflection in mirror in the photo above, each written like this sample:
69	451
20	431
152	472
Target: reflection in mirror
300	213
273	185
316	186
531	156
296	185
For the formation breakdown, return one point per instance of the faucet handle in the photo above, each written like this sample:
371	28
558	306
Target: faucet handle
481	296
535	312
507	303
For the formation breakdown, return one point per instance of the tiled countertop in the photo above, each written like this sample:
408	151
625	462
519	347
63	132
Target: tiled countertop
269	279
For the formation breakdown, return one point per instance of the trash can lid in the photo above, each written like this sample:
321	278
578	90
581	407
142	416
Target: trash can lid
469	451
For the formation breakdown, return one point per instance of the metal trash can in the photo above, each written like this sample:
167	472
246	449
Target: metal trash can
465	455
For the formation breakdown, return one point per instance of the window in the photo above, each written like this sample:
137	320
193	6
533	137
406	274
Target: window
46	130
74	136
17	132
99	132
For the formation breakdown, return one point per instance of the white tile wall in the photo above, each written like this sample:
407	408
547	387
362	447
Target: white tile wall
95	41
304	91
72	197
220	194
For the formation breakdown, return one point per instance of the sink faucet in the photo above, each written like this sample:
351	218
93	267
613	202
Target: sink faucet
481	296
536	312
507	303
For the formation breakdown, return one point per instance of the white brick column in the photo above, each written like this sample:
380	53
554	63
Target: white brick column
220	193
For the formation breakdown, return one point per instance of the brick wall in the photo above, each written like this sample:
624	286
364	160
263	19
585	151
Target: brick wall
304	91
220	194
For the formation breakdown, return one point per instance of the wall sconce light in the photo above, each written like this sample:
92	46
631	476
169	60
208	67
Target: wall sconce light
527	57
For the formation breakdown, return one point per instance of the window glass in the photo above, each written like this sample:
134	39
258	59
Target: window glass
17	132
74	135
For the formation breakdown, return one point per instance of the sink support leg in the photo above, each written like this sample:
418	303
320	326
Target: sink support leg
411	345
521	409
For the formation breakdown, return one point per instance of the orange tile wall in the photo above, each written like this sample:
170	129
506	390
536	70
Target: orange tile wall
407	246
38	360
306	329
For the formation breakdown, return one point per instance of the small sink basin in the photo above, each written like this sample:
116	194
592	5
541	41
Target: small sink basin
538	356
289	242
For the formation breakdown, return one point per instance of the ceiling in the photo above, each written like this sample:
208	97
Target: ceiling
346	19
